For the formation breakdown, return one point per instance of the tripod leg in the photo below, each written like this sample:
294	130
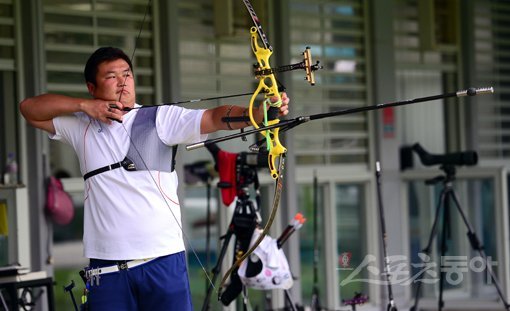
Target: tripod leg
475	244
444	238
216	270
289	299
4	304
427	249
208	232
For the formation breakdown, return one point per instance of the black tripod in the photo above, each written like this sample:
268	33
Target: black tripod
448	195
244	221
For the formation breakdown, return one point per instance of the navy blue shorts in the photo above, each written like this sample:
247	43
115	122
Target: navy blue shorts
160	284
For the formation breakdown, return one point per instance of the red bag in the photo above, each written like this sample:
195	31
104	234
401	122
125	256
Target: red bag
227	170
59	205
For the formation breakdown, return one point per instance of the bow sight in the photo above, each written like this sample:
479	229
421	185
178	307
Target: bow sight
305	64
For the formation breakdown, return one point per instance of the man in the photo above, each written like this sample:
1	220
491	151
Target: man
132	225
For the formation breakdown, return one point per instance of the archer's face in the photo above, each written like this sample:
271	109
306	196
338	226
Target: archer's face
115	82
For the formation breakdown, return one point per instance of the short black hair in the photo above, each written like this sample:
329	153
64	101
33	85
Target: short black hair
101	55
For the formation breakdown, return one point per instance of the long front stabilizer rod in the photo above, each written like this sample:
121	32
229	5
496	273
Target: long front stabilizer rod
288	124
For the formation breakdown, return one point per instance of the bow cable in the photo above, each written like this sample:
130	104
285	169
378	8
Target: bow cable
145	164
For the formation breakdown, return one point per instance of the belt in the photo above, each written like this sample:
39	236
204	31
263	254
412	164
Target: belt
121	265
92	276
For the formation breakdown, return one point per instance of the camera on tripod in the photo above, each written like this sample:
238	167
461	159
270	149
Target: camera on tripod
247	211
247	164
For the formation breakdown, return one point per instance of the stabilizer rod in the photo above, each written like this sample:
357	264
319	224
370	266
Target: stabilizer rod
288	124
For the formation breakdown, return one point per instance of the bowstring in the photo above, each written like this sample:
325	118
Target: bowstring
186	238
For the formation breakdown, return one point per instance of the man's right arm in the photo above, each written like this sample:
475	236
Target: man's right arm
39	111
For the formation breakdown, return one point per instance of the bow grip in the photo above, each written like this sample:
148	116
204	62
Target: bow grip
276	150
272	113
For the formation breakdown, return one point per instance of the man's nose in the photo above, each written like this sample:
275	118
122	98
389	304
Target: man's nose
121	81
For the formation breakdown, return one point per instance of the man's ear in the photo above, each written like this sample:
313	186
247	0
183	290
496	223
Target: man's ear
91	87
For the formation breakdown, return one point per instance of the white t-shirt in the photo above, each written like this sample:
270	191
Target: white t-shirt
128	215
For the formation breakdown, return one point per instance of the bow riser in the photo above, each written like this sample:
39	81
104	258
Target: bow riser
268	86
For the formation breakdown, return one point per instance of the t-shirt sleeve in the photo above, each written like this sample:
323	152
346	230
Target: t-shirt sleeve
62	125
177	125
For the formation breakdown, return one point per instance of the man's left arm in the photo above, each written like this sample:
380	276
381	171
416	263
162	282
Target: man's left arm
212	118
